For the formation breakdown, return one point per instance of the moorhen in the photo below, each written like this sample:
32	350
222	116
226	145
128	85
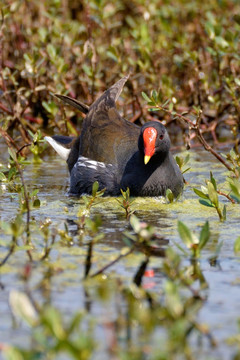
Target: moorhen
117	153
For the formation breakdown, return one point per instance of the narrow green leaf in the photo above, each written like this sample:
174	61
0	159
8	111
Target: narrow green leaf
224	213
12	154
200	194
2	177
154	109
206	202
213	181
22	307
169	195
181	248
184	171
179	161
212	193
34	192
165	103
204	235
185	234
135	223
144	95
237	245
187	158
155	96
95	188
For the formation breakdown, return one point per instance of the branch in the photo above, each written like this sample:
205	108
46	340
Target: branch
112	262
197	130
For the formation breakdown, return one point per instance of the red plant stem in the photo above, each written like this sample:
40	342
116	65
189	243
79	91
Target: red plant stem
6	110
197	130
8	138
227	196
33	119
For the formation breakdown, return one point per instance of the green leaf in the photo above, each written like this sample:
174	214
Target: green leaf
155	96
75	322
235	188
237	245
212	193
200	194
2	177
144	95
34	192
87	69
185	234
36	203
237	81
179	161
181	248
12	154
154	109
165	103
221	41
204	235
135	223
53	321
22	307
184	171
210	30
95	188
224	213
169	195
187	158
213	181
206	202
52	52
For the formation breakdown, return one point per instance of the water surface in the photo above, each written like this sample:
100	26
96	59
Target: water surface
65	289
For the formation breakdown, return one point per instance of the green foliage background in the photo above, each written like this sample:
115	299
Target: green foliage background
188	53
187	50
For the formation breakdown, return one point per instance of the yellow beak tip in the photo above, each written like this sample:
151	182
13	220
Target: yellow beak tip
146	159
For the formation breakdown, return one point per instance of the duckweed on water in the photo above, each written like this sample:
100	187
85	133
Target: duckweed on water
146	296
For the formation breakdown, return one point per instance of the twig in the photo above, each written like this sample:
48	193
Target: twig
6	110
8	138
203	330
48	249
21	148
112	262
227	196
11	250
196	128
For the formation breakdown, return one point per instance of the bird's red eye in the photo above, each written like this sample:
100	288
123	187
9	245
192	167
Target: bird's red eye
161	137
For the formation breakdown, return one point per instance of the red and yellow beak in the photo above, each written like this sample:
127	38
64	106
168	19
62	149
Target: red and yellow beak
149	140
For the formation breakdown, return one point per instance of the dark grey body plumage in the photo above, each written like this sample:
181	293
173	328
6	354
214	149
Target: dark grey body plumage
110	151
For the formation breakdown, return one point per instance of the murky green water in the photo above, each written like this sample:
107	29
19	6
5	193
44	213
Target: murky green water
64	289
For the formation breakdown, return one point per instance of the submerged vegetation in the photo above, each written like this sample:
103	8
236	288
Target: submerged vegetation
189	52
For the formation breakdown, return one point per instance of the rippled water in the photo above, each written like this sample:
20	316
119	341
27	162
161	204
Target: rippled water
220	311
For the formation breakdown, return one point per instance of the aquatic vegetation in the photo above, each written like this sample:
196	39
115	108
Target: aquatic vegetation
126	203
192	242
209	197
134	278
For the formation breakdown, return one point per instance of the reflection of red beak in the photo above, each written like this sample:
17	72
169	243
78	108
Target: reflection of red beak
149	140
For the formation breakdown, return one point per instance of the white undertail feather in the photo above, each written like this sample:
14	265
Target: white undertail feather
61	150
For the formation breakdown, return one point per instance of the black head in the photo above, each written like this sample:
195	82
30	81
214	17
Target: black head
153	141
